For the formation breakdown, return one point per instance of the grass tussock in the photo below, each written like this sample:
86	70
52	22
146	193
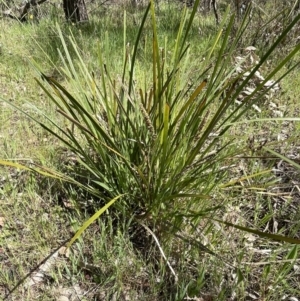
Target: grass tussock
161	136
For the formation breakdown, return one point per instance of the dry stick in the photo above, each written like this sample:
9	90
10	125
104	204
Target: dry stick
214	4
161	250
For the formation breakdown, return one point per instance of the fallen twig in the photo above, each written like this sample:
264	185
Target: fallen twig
160	249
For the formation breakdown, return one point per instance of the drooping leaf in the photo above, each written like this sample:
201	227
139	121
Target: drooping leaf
260	233
91	220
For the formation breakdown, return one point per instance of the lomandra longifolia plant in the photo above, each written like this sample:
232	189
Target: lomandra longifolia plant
153	146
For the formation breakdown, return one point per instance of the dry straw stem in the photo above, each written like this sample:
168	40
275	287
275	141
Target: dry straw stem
161	250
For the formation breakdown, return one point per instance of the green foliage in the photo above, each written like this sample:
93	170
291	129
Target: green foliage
158	140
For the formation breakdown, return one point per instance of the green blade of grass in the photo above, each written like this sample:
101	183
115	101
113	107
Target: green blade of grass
284	158
260	233
91	220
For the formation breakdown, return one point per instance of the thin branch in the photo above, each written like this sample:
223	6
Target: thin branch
161	250
214	4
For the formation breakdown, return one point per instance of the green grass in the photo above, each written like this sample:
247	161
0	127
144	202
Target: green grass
110	260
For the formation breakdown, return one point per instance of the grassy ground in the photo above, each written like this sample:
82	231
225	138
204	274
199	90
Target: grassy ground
110	262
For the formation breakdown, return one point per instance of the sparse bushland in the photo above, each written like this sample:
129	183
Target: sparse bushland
168	127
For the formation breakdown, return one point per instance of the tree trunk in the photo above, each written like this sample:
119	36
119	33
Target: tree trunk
75	10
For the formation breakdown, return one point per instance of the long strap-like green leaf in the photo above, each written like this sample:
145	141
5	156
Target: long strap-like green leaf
91	220
261	234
